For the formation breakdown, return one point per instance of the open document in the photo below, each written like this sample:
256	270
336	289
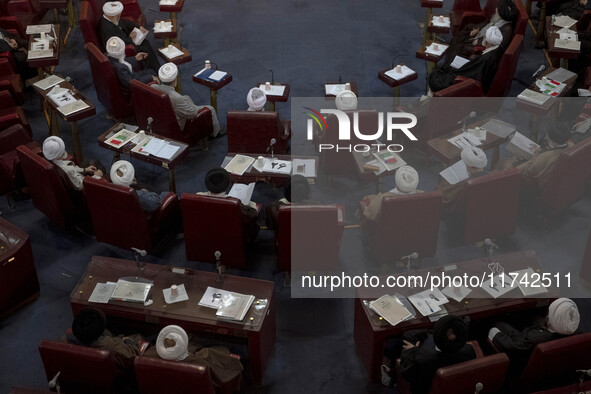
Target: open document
242	192
391	309
239	164
465	140
140	36
455	173
522	147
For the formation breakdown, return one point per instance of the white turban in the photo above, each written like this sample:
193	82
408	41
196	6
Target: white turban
180	350
494	35
127	170
53	148
407	179
563	316
112	8
256	99
474	157
116	49
346	100
168	72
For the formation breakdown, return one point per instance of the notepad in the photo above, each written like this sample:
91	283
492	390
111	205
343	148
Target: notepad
404	72
48	82
567	44
459	62
40	54
275	90
70	108
217	75
242	192
139	36
38	29
455	173
239	164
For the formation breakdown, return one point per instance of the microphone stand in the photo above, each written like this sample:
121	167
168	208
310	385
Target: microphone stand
219	266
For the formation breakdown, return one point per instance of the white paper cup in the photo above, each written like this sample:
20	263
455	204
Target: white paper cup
260	161
174	290
267	85
207	64
347	86
399	68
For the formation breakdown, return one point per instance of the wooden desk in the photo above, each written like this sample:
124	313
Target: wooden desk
370	332
449	154
431	28
45	64
429	5
173	9
367	175
253	175
560	54
213	86
170	165
272	99
396	83
167	35
258	333
178	60
353	87
431	60
72	118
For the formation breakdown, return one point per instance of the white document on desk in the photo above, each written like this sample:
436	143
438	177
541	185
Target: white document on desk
102	292
242	192
140	36
569	36
435	296
455	173
424	306
276	90
479	133
167	151
404	72
162	27
464	140
60	96
170	52
564	21
334	89
48	82
522	147
567	44
217	75
459	62
561	75
533	97
440	21
38	29
181	295
154	146
500	284
239	164
40	54
304	167
436	52
277	166
457	293
73	107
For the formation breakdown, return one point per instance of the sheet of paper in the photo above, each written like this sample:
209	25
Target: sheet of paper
48	82
140	147
171	52
564	21
569	36
242	192
212	298
529	282
162	27
40	54
464	140
459	62
560	75
304	167
102	292
70	108
278	166
440	21
584	92
181	295
40	45
435	296
498	286
390	308
38	29
479	133
276	90
154	146
239	164
522	143
499	128
455	173
217	75
139	36
431	50
404	72
549	87
61	96
567	44
424	306
533	97
167	2
456	293
438	315
167	151
334	89
565	30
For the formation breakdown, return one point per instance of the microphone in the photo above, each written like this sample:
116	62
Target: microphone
218	264
149	127
469	116
584	371
411	257
53	382
139	252
179	35
270	147
479	387
272	77
539	71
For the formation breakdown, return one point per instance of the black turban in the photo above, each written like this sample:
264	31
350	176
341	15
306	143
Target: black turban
507	10
88	325
559	133
217	180
296	189
439	80
440	333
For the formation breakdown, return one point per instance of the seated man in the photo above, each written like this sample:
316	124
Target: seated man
183	106
295	191
540	166
89	329
464	42
122	173
571	8
54	150
481	67
173	344
217	182
562	319
407	180
18	49
346	100
113	26
424	353
256	99
453	195
124	66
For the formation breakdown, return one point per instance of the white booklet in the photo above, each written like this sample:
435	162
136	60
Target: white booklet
459	62
275	90
239	164
102	292
72	107
140	36
529	283
38	29
564	21
131	291
217	75
567	44
390	308
242	192
455	173
533	97
234	306
40	54
48	82
499	128
522	147
560	75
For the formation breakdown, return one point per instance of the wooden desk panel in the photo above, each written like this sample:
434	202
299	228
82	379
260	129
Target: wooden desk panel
253	175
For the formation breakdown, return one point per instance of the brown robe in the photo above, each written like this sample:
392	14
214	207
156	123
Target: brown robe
453	196
374	203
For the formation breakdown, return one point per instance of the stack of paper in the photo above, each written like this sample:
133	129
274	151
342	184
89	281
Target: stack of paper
70	108
533	97
560	75
131	291
522	147
404	72
391	309
102	292
170	52
567	44
167	2
436	49
428	302
498	128
48	82
38	54
529	282
229	305
564	21
455	173
211	74
571	36
334	89
239	164
159	148
275	90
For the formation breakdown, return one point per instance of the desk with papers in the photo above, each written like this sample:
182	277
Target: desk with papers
44	48
257	329
279	93
59	97
563	43
331	89
370	331
371	169
395	78
219	80
155	149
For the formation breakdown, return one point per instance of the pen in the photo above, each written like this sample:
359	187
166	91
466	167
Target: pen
431	309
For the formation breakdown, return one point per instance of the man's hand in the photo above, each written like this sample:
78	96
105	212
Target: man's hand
98	173
474	43
13	44
155	78
141	56
132	34
583	2
143	29
407	345
474	32
92	169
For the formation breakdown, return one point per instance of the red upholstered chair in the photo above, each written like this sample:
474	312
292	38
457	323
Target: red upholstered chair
462	87
10	113
566	184
48	190
586	265
491	205
251	132
309	237
118	219
90	25
584	23
11	175
405	224
106	84
213	224
149	102
82	369
156	376
459	8
16	24
11	81
554	363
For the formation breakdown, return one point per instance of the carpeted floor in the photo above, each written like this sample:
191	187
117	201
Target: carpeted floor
306	43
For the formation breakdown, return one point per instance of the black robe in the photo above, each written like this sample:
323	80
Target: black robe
125	76
420	363
19	54
122	30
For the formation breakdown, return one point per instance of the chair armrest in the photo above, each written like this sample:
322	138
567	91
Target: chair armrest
5	65
168	208
199	127
6	100
9	120
477	349
492	346
587	79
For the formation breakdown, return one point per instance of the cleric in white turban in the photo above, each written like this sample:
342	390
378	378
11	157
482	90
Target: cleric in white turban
123	174
256	99
168	73
474	157
562	319
172	343
125	66
54	150
493	37
346	100
112	8
407	180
